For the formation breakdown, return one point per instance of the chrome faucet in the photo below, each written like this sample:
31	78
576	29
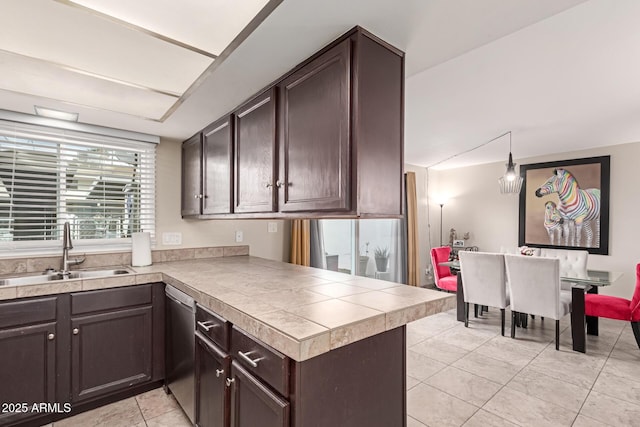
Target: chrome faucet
66	245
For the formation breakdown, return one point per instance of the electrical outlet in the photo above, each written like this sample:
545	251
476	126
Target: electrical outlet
239	236
172	239
273	227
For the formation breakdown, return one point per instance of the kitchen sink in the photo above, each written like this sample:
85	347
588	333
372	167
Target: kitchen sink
89	274
43	278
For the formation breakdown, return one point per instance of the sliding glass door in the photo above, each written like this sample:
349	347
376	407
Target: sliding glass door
373	248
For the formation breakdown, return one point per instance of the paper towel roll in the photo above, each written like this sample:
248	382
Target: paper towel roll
140	249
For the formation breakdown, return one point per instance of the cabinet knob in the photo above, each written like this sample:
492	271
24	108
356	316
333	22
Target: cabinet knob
76	331
51	336
229	381
200	196
279	184
219	372
195	196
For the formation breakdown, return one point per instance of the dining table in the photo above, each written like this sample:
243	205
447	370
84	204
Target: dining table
589	282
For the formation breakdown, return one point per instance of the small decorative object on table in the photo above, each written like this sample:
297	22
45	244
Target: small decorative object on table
524	250
382	258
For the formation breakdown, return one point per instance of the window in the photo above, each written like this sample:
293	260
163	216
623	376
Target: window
103	185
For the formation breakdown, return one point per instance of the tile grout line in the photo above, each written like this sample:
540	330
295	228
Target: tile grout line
596	379
144	420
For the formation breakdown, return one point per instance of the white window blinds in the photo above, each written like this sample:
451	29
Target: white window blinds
104	186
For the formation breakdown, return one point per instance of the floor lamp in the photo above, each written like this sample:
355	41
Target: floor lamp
441	206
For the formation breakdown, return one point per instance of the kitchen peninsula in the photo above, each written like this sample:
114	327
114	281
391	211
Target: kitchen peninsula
339	340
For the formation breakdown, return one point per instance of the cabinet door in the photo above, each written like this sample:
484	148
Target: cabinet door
216	167
315	151
192	176
255	154
110	352
27	369
253	404
212	397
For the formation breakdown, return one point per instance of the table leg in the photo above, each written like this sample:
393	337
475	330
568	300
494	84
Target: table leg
592	321
578	319
460	299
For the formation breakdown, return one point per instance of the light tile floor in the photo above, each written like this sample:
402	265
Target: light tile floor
152	409
475	377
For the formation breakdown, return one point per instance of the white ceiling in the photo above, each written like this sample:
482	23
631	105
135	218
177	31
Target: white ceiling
560	74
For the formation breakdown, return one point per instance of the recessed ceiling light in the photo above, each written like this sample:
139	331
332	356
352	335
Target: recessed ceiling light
56	114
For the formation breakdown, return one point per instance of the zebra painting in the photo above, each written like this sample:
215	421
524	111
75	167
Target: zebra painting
579	206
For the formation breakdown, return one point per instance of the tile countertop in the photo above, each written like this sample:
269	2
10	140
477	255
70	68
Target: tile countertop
300	311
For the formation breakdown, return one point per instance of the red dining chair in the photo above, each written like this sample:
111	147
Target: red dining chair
616	307
443	277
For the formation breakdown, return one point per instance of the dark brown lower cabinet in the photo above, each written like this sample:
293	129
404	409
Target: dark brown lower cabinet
360	384
212	394
72	352
28	374
28	347
253	404
110	351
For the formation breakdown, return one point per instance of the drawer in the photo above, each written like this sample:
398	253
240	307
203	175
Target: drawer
110	299
27	312
213	327
261	360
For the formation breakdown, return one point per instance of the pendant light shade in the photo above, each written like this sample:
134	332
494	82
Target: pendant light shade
510	182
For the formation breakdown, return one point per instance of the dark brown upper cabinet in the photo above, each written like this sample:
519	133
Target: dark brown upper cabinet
217	178
336	149
341	131
314	134
255	155
192	176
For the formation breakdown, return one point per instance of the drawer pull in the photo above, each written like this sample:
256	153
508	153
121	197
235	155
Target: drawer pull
207	325
219	372
250	361
229	381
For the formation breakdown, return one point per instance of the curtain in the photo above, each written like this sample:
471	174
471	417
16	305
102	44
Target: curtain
300	242
317	251
413	277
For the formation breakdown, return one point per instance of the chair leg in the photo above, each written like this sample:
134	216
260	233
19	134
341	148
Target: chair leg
466	314
636	331
557	335
475	310
502	321
514	316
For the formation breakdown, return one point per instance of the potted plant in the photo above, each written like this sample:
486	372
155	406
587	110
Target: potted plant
381	256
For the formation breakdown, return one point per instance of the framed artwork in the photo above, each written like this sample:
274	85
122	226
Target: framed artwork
565	205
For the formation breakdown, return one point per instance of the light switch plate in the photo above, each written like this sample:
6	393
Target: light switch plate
273	227
172	238
239	236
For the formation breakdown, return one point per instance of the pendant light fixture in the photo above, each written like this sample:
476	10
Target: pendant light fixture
510	182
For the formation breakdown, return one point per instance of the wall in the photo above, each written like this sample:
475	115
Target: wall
198	233
474	204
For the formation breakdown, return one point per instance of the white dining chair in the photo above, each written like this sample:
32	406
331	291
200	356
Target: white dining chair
534	288
483	282
573	263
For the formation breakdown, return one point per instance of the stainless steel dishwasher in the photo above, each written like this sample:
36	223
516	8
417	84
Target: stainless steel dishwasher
180	348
